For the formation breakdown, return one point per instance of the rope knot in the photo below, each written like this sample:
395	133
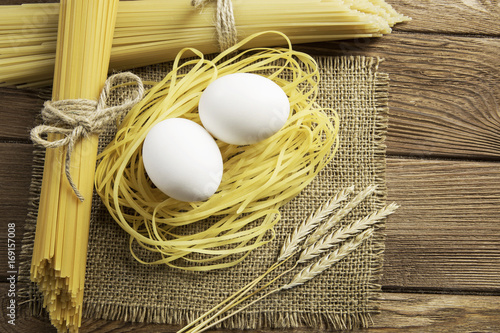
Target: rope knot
76	119
225	24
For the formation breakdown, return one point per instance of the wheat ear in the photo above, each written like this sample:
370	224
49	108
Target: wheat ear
341	234
359	229
328	260
341	213
291	244
305	275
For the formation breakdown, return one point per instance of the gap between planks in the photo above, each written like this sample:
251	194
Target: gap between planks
443	95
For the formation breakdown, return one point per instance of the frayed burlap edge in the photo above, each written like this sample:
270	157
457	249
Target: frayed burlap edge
382	109
271	320
29	296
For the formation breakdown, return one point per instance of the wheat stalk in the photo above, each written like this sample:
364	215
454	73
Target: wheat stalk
341	234
203	326
230	302
328	260
305	274
291	244
358	232
325	227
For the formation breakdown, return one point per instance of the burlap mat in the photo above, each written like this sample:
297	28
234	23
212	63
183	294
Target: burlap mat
119	288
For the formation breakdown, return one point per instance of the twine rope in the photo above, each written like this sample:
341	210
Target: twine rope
76	119
225	25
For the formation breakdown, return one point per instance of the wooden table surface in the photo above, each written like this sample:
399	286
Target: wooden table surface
442	258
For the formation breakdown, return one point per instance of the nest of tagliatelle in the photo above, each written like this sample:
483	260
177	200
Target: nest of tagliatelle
258	179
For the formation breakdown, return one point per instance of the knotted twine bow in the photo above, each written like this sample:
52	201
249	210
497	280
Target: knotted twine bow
225	25
78	118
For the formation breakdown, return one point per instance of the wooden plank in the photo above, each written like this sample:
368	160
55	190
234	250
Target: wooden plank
15	178
412	313
449	16
19	109
447	232
399	312
444	92
445	235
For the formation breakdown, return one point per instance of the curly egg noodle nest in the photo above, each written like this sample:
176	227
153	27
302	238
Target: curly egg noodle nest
257	181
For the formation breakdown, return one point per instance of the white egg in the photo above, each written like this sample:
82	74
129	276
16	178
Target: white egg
182	159
243	108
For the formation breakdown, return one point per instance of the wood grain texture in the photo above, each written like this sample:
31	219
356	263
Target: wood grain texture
447	232
15	179
18	112
444	92
416	313
450	16
399	313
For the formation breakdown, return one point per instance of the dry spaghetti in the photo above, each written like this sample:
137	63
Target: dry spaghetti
153	31
60	246
258	179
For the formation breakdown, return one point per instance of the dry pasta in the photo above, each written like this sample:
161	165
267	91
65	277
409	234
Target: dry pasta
258	179
61	238
154	31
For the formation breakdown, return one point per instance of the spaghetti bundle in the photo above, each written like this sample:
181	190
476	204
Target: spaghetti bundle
154	31
61	239
258	179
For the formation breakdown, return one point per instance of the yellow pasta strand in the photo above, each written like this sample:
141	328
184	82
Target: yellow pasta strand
154	31
257	180
60	247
